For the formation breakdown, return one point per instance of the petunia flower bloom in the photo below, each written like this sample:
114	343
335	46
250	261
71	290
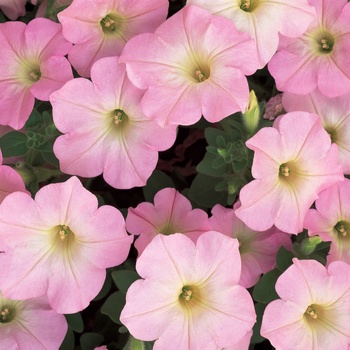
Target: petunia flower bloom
335	117
314	310
320	57
30	324
293	162
263	20
59	244
257	249
10	180
171	213
100	28
189	297
32	65
105	129
331	220
13	8
193	64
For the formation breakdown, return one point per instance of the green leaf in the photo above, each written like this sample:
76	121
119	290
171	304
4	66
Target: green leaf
68	342
50	157
113	306
203	192
155	183
13	144
75	322
124	278
34	120
256	337
205	166
89	341
284	259
264	291
105	288
211	135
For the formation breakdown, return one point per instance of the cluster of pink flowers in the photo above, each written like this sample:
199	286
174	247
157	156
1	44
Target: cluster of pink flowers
121	79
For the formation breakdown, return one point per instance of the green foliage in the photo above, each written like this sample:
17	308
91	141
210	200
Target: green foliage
68	342
124	278
225	168
157	181
284	259
75	322
89	341
307	247
259	310
113	306
264	291
13	144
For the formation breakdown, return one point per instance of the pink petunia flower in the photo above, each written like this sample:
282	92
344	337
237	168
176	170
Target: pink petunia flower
59	244
32	65
263	20
331	220
335	117
105	129
193	64
100	28
293	162
314	310
189	297
171	213
13	8
258	249
320	57
10	181
30	324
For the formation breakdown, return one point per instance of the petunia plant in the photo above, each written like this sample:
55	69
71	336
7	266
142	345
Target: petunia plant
174	174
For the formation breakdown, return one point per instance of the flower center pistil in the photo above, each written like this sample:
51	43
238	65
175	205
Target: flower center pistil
245	5
7	314
119	116
64	231
108	24
200	75
310	311
284	170
35	75
342	228
186	293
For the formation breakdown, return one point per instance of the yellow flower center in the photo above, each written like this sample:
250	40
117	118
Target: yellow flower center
189	298
249	5
200	75
7	314
311	312
284	170
342	228
113	24
119	117
29	71
322	41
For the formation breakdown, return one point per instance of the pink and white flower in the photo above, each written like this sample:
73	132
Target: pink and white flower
257	249
32	65
100	28
314	310
189	297
104	128
320	57
171	213
193	64
263	20
59	244
30	324
293	162
335	117
331	220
